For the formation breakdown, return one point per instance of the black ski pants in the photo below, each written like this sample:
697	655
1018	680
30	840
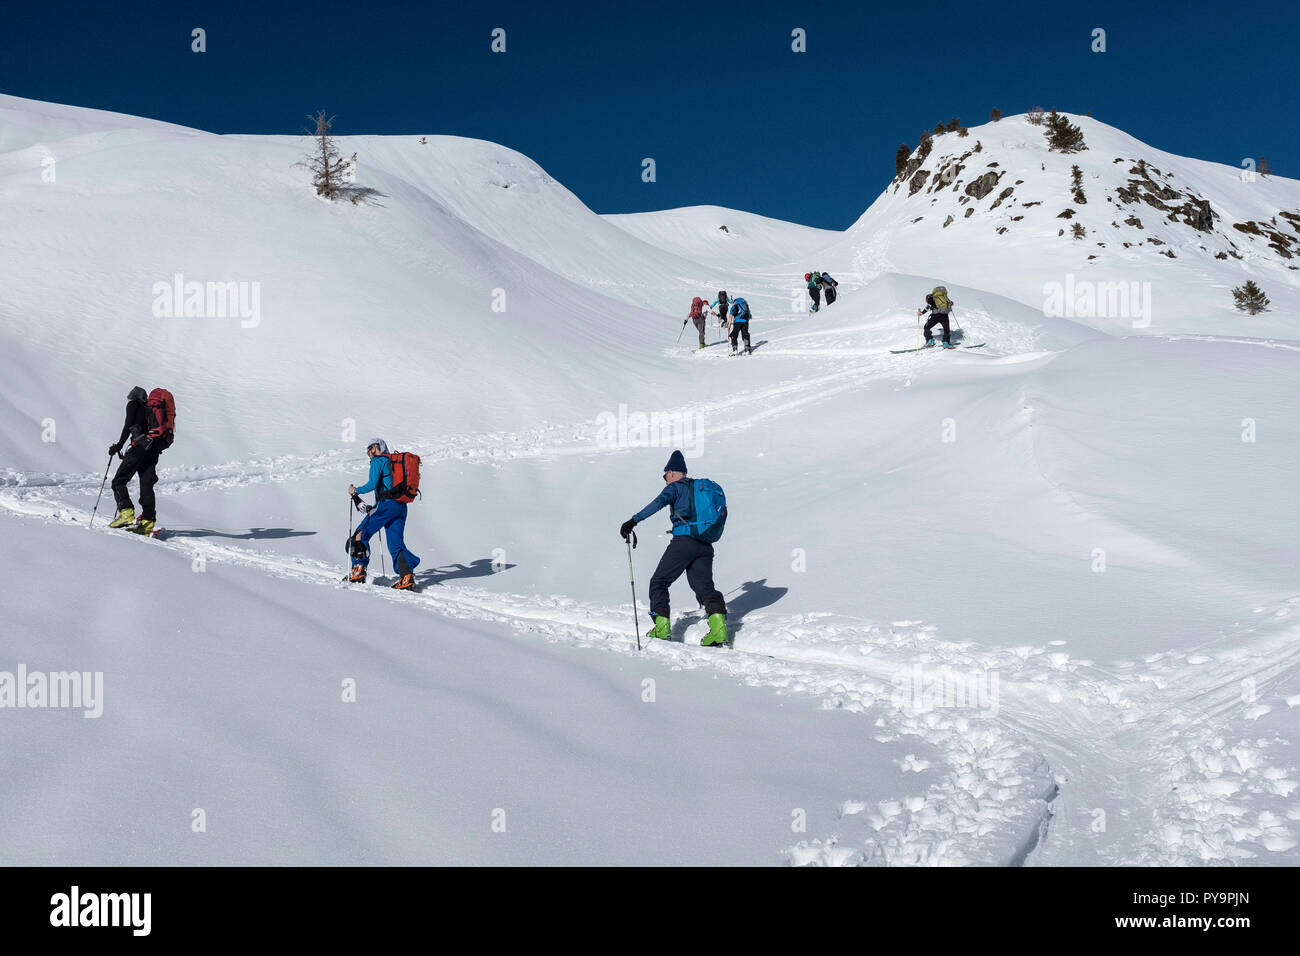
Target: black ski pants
142	462
739	328
695	557
937	318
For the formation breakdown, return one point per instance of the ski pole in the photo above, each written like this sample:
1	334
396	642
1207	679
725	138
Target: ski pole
101	488
383	564
679	334
636	615
351	550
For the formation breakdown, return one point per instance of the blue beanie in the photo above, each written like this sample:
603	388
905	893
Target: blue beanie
676	463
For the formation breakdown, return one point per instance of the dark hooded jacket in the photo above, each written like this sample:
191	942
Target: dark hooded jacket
137	422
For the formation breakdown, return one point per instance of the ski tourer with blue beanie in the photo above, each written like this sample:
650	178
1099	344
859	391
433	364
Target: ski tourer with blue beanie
394	478
698	510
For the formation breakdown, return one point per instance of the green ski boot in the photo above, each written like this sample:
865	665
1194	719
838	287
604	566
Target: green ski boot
124	517
717	631
661	629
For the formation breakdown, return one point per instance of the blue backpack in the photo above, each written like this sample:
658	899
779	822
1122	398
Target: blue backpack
710	509
740	308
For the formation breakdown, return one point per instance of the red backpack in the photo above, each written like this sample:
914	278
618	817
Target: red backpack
162	407
406	476
697	307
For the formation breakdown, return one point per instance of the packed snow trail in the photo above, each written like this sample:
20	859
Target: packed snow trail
743	409
1007	771
1070	740
1096	434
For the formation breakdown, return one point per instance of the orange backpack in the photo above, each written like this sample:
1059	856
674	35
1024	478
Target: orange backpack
406	476
163	409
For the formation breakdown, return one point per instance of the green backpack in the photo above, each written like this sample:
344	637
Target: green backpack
941	301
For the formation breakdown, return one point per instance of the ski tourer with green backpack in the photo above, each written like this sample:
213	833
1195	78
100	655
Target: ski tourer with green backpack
698	509
939	306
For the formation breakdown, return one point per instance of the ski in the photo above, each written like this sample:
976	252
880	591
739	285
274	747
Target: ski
925	349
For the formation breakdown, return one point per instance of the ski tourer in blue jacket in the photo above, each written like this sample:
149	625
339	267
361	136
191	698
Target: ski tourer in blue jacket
720	306
684	553
740	324
387	513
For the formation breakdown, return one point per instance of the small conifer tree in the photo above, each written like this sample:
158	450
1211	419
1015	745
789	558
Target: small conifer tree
1062	135
1250	298
900	158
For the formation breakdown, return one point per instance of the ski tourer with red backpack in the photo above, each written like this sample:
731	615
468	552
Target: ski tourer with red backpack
395	480
150	427
698	308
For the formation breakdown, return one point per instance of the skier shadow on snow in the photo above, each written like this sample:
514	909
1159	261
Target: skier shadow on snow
250	535
754	595
478	569
726	341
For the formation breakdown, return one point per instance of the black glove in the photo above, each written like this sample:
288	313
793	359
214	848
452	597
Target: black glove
627	527
114	448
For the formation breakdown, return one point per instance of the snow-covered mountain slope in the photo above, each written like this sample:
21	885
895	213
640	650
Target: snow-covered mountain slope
981	599
727	238
997	209
511	200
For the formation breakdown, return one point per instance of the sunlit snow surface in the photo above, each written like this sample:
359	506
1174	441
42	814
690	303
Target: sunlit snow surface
1086	527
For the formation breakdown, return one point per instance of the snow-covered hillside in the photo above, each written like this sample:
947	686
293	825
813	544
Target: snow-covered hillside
1032	603
727	238
997	209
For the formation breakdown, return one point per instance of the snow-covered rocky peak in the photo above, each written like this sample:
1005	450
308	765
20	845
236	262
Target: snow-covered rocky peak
998	206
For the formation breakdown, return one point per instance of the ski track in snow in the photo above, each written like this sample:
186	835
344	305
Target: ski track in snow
1154	727
739	411
1176	740
996	799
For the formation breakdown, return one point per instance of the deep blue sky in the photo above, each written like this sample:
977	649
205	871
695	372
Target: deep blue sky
711	91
